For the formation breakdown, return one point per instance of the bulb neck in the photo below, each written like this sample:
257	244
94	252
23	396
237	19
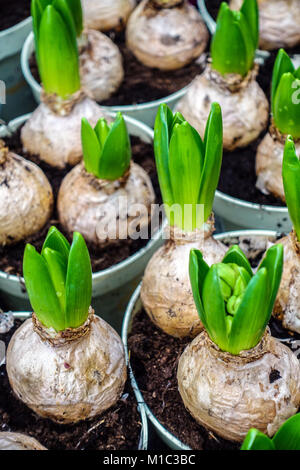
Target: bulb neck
59	106
3	152
295	242
69	335
108	186
244	357
230	82
166	3
277	136
180	237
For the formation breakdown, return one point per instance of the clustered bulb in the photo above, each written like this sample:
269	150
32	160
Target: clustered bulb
104	15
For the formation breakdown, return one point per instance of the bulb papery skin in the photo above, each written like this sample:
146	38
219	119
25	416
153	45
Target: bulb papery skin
287	305
106	14
16	441
166	38
104	211
279	22
245	108
55	134
229	394
269	159
26	199
101	68
65	378
166	291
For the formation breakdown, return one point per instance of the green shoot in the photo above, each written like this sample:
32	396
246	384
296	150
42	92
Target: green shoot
286	438
236	39
188	168
285	95
234	304
106	148
291	182
59	281
56	47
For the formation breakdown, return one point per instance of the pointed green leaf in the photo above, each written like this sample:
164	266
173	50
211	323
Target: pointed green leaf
57	268
256	440
62	7
78	283
76	11
198	269
102	130
250	11
90	148
116	153
283	64
185	163
236	256
273	262
286	109
288	436
291	182
213	143
162	134
40	290
249	321
214	307
57	242
228	49
58	55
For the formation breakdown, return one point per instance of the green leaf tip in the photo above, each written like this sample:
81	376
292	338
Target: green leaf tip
233	303
285	95
59	280
188	167
106	148
286	438
235	40
291	182
55	30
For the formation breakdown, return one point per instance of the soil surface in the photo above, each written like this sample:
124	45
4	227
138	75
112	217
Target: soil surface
117	429
11	258
154	357
12	12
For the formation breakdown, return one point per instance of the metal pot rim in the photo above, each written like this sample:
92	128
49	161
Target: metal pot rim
15	123
250	205
15	28
122	108
126	328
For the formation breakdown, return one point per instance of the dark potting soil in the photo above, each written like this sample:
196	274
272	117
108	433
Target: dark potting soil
117	429
13	12
11	258
154	357
141	84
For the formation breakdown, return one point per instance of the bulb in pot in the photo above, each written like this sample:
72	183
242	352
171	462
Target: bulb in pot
285	97
166	35
65	363
103	196
234	375
53	130
188	171
230	80
279	22
101	67
17	441
26	197
106	14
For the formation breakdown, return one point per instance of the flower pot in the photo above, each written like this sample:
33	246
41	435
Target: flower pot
145	112
112	287
12	40
237	213
135	306
143	439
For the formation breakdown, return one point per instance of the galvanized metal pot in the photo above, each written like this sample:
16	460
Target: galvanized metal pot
144	435
135	306
145	112
112	287
11	42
